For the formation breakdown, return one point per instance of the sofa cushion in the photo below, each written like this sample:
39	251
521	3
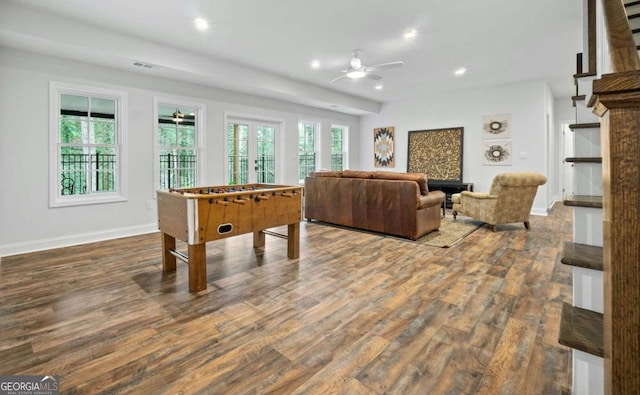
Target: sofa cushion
357	174
420	178
326	173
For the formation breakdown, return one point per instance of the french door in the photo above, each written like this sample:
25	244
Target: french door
251	151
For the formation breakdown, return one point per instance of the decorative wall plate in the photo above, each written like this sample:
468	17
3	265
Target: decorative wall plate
496	152
497	126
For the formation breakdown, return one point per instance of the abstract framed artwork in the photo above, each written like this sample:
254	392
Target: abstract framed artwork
436	153
496	126
496	152
383	148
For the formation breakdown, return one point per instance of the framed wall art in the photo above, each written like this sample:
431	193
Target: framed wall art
496	126
383	147
436	153
496	152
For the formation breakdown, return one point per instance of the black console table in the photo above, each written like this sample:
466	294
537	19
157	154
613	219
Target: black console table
449	188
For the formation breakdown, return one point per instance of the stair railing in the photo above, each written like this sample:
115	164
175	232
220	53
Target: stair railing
622	47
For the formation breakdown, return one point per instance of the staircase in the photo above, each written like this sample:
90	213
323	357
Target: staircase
582	323
602	324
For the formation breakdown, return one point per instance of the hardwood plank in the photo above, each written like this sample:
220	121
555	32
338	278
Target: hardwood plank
511	355
356	313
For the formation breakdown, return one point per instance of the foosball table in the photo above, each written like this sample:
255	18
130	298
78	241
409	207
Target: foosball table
202	214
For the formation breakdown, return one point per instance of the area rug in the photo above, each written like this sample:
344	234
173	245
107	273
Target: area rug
450	232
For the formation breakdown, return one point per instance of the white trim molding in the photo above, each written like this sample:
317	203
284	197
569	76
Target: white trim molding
71	240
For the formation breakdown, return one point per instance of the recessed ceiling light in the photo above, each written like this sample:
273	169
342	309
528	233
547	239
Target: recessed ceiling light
315	64
379	87
460	71
201	24
409	34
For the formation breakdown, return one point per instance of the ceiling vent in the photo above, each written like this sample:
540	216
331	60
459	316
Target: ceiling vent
147	66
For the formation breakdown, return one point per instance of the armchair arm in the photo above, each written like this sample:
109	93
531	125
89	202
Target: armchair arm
478	195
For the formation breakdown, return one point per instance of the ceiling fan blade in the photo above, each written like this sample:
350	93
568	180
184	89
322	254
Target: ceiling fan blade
338	78
373	76
385	66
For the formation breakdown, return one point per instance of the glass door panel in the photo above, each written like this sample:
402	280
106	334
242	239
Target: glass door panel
265	163
238	151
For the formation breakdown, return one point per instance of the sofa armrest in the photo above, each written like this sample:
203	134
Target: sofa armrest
434	198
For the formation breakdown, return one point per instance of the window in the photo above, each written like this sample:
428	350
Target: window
177	147
86	150
306	148
179	132
338	147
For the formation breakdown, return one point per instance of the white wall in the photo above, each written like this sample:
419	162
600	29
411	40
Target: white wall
26	221
527	102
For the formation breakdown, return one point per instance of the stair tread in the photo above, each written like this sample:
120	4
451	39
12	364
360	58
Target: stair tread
585	75
590	125
633	16
582	255
584	159
583	201
631	3
582	329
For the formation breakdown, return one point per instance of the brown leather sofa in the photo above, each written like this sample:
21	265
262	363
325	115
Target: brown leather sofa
388	202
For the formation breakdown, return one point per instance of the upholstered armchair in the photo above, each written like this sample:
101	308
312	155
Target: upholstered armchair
509	199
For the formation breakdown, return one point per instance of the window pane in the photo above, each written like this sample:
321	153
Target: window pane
186	136
238	146
104	132
167	136
74	104
103	171
74	166
103	108
70	129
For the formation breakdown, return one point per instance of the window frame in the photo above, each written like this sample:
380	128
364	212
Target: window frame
56	199
345	146
200	117
316	151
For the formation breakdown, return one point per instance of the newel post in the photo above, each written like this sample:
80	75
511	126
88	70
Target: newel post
618	103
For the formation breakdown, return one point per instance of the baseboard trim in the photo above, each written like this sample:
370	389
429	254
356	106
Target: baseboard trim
71	240
539	211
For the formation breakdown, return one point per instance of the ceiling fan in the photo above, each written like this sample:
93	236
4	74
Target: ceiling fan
357	70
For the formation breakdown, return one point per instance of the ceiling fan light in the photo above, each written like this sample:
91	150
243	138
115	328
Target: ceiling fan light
177	117
356	74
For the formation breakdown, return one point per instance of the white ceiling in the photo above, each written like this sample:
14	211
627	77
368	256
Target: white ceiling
266	47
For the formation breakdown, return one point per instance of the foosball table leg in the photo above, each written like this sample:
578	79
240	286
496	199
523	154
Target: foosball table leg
293	241
168	260
197	267
258	239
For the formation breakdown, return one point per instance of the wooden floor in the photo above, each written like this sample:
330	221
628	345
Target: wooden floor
356	314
